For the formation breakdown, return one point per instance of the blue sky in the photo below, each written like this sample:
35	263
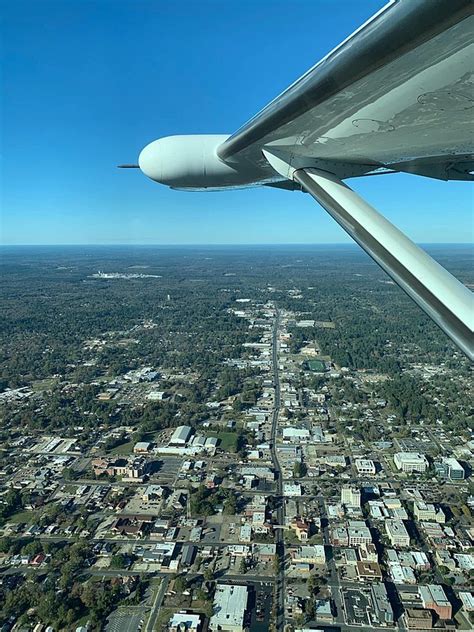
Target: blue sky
86	84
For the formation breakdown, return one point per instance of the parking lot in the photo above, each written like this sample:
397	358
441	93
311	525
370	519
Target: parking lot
125	620
166	470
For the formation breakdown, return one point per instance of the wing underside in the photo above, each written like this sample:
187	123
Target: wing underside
397	95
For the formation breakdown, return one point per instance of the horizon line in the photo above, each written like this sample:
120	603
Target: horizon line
226	244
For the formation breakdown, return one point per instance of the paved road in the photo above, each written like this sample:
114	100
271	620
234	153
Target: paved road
155	609
280	542
331	564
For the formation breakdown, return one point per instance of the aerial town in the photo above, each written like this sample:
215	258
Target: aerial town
292	498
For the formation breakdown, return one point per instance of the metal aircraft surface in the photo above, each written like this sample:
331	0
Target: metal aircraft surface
395	96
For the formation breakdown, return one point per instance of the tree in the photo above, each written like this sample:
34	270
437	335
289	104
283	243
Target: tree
276	564
208	575
310	609
180	584
312	585
299	469
119	561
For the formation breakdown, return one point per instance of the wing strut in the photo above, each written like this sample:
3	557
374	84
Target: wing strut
445	299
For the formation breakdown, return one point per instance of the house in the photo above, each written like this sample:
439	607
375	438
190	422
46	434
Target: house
301	528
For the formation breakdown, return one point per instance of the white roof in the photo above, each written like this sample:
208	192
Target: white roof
295	432
190	620
142	445
230	602
410	457
467	600
181	434
291	489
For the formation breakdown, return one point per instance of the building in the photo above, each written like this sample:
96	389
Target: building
152	493
309	554
185	622
418	619
382	607
291	489
187	555
434	598
263	473
301	528
467	601
245	534
142	447
358	533
230	605
369	570
323	611
365	466
455	470
350	496
368	553
265	552
397	533
427	512
410	462
339	536
296	435
181	435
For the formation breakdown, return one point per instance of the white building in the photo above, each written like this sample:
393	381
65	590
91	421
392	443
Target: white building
455	470
230	604
467	601
152	493
296	435
365	466
410	462
427	512
358	533
142	447
350	496
185	622
291	489
245	533
309	554
397	533
181	435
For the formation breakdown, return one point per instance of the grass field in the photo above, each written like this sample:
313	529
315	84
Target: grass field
123	448
227	440
317	366
27	516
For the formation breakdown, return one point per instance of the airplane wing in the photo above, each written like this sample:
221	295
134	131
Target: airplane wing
398	94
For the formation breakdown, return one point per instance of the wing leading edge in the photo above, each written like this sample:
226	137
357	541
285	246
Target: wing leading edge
397	94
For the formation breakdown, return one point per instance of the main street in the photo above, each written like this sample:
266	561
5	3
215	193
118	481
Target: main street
280	503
